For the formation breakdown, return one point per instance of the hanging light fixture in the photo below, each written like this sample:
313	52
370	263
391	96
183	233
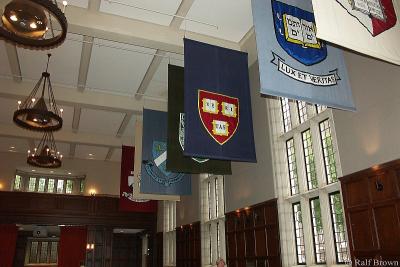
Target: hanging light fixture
45	155
33	113
34	24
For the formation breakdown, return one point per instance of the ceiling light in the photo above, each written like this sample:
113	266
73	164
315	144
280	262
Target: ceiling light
46	154
25	23
69	173
13	18
51	171
91	155
33	170
12	147
33	113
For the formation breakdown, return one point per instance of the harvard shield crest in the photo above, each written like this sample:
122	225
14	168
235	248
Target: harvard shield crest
296	33
156	168
377	16
219	115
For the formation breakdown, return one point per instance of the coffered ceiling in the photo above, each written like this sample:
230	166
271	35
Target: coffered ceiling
113	63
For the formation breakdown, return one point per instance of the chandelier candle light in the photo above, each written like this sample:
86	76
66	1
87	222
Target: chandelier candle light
45	155
34	114
34	24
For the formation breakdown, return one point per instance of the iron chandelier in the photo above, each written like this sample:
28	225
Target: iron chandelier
34	24
45	155
39	111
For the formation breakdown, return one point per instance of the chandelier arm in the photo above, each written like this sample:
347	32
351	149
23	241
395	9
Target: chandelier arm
28	100
53	143
52	100
51	23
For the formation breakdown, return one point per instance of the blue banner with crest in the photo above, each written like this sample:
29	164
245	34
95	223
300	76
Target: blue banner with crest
155	179
293	62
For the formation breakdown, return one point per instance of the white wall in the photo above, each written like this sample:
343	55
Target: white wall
102	176
188	209
370	135
252	183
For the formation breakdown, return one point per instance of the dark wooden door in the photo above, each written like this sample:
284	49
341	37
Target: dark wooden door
126	250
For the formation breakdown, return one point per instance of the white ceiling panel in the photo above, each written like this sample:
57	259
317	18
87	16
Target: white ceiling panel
91	152
5	67
158	86
13	145
164	6
116	156
8	106
233	18
117	68
100	121
64	63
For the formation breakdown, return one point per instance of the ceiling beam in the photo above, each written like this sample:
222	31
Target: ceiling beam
66	96
90	139
182	11
124	124
151	70
176	22
76	119
72	148
86	54
121	29
13	60
109	153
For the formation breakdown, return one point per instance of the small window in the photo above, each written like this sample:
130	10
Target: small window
69	187
216	197
209	199
218	242
339	228
328	152
287	121
41	251
32	184
82	186
302	111
41	185
292	165
299	233
50	186
309	160
320	108
60	186
210	243
318	230
17	182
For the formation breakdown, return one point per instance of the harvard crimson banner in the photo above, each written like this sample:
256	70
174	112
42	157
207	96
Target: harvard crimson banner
126	200
370	27
218	119
176	161
155	179
293	63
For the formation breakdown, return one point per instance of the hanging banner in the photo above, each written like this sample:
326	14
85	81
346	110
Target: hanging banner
127	202
137	173
370	27
218	118
155	179
176	161
293	62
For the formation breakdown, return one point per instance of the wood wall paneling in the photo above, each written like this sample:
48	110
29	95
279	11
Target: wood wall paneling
188	245
253	236
372	207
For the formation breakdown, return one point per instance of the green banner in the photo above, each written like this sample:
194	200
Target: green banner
176	161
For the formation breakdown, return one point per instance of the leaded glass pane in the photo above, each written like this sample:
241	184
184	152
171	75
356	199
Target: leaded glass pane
339	228
318	231
299	234
309	160
328	152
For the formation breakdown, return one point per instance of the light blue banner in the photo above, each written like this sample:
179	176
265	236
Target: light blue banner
155	179
295	64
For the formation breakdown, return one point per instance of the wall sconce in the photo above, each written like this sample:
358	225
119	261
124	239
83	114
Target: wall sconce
89	246
1	186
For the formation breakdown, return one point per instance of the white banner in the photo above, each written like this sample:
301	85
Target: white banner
370	27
